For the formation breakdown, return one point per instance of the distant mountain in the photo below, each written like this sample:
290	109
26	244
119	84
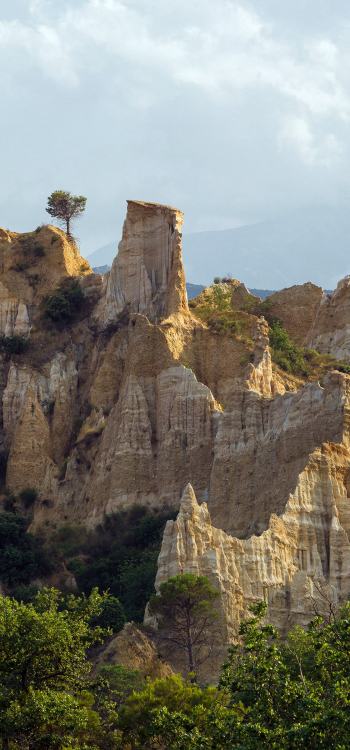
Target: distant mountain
101	269
103	256
193	290
307	245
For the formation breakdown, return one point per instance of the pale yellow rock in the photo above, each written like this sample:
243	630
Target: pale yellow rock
330	332
297	308
147	275
299	564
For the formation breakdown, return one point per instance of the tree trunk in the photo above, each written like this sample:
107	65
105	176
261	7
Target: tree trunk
191	665
68	227
6	744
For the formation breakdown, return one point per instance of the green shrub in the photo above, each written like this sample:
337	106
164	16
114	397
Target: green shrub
14	344
25	593
63	306
120	556
285	353
22	556
112	615
28	496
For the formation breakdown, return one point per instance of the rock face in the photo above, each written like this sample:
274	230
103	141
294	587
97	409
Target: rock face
299	564
315	319
139	396
147	275
133	648
330	332
297	308
24	277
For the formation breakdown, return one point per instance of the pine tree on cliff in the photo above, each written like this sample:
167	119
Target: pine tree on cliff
64	207
187	611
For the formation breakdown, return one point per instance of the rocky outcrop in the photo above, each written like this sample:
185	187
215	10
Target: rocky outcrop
147	275
297	308
298	565
24	278
262	445
138	396
330	332
134	648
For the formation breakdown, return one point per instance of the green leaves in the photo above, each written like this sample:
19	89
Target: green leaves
64	206
43	666
63	306
186	611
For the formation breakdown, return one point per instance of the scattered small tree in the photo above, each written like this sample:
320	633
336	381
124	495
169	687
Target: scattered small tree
187	614
64	207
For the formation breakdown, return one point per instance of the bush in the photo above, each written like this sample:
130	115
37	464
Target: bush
63	306
121	556
28	496
22	556
112	615
285	353
14	344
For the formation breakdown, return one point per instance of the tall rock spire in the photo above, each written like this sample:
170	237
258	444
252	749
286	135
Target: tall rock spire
147	275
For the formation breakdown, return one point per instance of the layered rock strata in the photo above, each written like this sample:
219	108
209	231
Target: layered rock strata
138	397
299	565
147	275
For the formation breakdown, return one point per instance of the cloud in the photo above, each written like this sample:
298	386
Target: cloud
228	109
297	133
219	49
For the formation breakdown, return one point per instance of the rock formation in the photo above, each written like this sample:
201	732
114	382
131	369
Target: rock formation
140	395
147	275
315	319
297	308
330	332
134	648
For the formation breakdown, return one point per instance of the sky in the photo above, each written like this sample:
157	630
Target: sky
236	112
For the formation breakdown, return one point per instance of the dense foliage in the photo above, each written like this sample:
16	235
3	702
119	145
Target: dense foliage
119	556
65	207
22	556
186	609
14	344
44	670
285	352
273	694
63	306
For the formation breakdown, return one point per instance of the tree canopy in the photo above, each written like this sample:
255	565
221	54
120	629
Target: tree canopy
186	610
64	207
43	668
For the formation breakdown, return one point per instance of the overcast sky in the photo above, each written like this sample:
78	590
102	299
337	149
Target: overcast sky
233	111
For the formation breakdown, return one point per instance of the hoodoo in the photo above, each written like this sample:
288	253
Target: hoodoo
147	275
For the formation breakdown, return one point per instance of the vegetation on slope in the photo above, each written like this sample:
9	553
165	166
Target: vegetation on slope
214	306
273	694
120	556
64	305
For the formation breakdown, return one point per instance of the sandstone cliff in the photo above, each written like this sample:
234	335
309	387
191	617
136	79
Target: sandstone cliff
139	395
147	275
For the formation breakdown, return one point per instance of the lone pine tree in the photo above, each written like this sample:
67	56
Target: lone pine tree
64	207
